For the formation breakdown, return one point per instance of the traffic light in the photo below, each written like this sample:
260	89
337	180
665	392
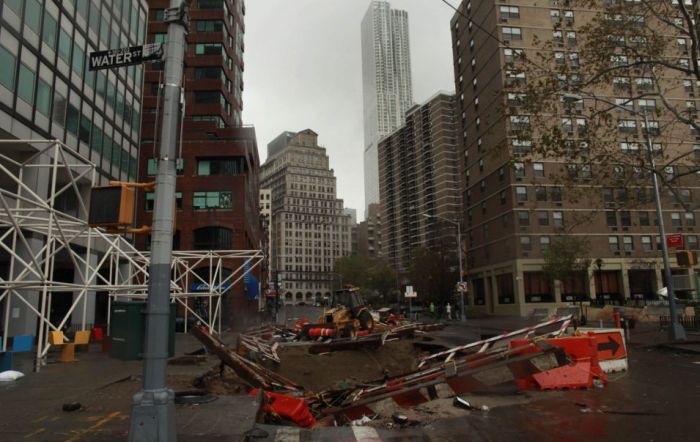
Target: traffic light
686	258
111	206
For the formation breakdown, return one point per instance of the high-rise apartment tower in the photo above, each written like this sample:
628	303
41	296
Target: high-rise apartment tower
518	202
386	81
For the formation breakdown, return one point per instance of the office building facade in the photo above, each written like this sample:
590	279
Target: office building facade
47	92
386	83
310	229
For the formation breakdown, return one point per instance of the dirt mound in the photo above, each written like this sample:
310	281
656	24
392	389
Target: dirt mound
323	371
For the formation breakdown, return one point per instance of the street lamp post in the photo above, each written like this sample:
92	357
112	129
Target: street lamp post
599	264
463	316
676	330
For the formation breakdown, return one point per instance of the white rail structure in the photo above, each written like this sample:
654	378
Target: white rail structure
28	215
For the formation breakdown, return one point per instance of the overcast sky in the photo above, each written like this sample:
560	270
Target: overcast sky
303	69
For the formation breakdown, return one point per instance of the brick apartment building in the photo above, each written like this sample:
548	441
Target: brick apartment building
513	209
419	176
217	183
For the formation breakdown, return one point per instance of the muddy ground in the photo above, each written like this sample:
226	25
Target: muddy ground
342	368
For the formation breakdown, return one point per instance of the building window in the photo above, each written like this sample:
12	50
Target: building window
538	168
25	84
689	219
676	219
543	218
555	16
510	33
540	193
627	126
210	25
611	218
150	201
43	98
625	218
647	244
228	166
622	84
212	238
211	4
625	103
558	219
520	122
209	49
152	166
208	73
644	219
513	55
519	169
627	243
521	146
613	244
7	68
544	243
509	12
525	244
691	242
521	194
523	218
555	193
212	200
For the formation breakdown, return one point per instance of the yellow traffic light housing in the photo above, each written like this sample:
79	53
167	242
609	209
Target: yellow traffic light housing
686	258
112	207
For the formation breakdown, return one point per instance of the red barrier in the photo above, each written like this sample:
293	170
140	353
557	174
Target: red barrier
580	373
97	334
618	319
300	324
289	407
321	332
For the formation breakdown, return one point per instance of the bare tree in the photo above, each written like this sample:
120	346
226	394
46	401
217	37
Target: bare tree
634	66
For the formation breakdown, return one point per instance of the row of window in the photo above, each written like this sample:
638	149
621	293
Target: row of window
106	124
220	166
678	219
200	200
645	242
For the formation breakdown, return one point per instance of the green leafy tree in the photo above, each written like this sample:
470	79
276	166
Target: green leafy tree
433	275
373	276
566	257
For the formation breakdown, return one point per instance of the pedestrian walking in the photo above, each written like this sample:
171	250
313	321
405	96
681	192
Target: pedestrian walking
448	310
432	309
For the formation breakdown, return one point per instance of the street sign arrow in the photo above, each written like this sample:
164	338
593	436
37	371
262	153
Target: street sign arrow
612	345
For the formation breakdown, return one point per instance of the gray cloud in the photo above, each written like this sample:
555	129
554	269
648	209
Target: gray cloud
303	70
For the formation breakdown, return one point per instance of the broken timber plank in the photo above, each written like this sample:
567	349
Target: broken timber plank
251	373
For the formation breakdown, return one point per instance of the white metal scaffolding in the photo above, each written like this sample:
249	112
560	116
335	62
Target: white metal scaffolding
35	235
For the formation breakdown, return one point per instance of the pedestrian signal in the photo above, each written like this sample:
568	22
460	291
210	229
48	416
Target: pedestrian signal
686	258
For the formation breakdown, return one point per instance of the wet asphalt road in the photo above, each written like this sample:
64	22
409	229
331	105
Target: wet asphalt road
656	400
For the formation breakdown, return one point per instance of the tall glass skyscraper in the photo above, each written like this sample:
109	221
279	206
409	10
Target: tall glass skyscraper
386	80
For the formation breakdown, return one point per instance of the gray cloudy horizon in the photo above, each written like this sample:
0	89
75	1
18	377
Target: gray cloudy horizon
303	70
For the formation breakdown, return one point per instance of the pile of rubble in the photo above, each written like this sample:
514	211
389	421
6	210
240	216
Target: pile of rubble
383	377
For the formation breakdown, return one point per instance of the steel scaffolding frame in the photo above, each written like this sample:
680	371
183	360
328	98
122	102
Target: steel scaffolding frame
120	269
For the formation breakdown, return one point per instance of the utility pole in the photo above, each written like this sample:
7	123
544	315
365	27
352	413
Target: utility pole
153	408
676	332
